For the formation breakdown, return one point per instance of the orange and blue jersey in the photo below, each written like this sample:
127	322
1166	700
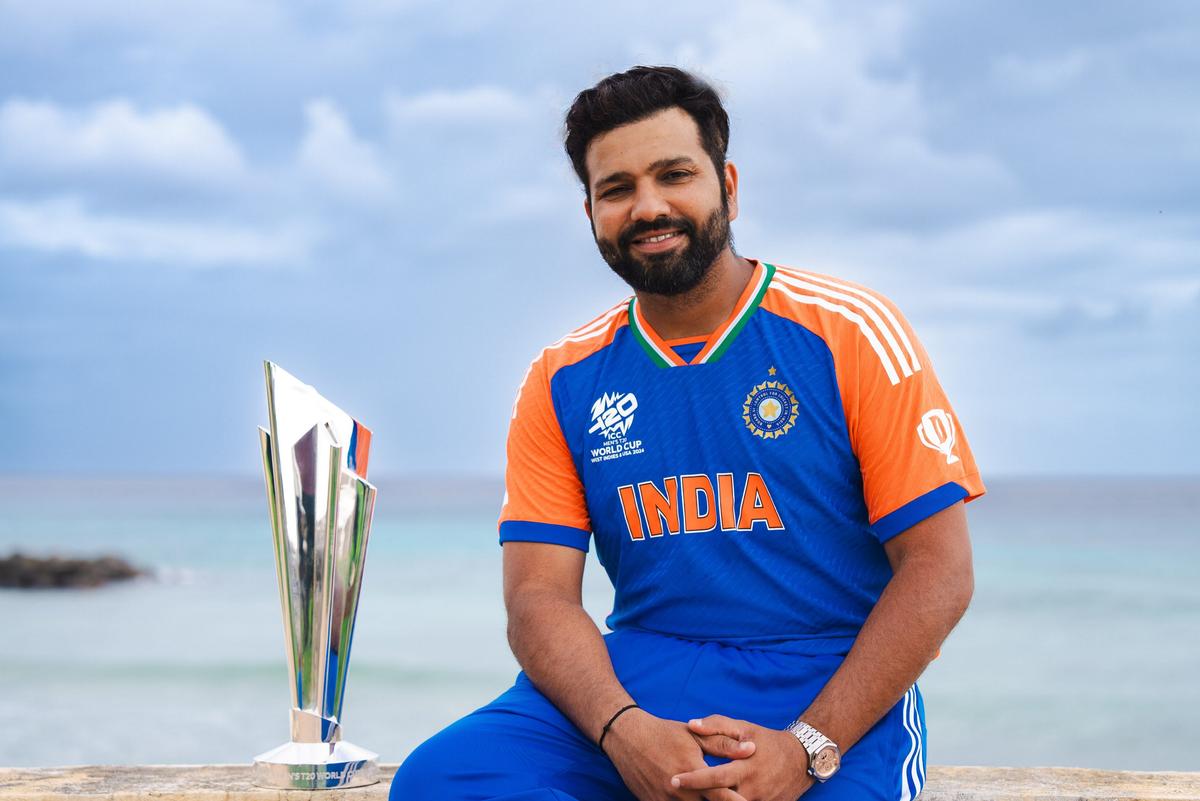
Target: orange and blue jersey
739	487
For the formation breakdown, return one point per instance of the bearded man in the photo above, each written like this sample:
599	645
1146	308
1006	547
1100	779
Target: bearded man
774	481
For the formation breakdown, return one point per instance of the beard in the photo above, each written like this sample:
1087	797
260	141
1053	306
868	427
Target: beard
672	272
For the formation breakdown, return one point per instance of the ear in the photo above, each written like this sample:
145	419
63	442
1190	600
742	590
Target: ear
587	208
731	188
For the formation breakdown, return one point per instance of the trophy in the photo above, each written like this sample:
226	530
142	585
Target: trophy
315	464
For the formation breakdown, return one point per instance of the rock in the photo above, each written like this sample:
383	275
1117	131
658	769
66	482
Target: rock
31	572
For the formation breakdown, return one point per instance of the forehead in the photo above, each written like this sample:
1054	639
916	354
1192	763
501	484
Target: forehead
634	147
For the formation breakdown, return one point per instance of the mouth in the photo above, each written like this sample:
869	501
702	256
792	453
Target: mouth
658	240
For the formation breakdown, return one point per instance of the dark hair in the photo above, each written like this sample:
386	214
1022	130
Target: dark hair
637	93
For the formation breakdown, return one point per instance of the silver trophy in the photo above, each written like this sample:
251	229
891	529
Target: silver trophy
315	463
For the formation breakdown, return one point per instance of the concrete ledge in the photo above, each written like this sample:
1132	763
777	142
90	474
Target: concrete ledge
232	783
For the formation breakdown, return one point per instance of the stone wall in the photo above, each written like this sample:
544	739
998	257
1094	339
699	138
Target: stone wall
232	783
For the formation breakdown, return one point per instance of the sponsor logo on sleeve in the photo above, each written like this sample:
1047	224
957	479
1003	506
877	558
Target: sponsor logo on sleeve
612	417
936	431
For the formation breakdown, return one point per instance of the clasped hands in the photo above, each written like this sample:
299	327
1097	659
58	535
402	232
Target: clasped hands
664	759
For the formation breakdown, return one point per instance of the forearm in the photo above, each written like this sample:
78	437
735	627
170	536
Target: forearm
563	653
917	610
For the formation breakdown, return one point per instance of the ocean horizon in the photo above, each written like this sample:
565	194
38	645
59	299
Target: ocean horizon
1084	630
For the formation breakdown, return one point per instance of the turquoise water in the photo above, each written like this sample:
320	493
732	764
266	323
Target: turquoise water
1082	645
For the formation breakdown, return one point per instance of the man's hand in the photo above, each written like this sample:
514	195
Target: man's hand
776	771
647	751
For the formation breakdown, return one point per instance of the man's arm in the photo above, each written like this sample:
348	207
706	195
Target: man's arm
562	652
932	584
554	639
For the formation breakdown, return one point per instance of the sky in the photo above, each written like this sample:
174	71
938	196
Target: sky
373	194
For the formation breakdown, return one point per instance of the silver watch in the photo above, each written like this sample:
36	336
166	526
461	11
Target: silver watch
824	757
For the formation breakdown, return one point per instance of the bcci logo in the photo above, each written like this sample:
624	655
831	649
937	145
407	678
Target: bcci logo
937	432
770	409
612	415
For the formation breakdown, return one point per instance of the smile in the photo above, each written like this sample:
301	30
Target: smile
657	238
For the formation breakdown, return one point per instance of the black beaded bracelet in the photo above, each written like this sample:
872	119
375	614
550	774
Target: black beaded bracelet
611	720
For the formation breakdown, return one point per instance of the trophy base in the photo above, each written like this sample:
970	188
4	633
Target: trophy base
315	766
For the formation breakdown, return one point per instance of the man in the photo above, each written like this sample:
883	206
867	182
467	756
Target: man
775	483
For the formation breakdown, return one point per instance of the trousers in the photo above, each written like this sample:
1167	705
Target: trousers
520	747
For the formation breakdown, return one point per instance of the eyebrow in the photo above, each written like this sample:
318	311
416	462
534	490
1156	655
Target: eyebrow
661	164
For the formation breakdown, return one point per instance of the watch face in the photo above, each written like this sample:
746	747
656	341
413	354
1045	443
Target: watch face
825	763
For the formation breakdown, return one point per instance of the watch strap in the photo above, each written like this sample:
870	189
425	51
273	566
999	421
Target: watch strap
814	742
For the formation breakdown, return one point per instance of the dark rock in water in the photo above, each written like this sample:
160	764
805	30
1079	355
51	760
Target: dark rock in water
31	572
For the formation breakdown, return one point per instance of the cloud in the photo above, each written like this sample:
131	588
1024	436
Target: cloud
1045	272
338	159
1005	190
65	225
482	155
1045	75
836	112
491	103
181	142
1084	319
1174	293
215	24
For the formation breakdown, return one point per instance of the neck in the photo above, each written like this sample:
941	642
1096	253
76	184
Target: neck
701	309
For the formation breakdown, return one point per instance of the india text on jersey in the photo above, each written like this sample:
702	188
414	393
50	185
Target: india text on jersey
694	504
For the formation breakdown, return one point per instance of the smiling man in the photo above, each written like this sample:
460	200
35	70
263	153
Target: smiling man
774	482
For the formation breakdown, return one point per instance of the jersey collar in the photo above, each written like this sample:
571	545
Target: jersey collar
719	340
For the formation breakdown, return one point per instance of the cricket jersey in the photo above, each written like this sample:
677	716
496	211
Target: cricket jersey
739	487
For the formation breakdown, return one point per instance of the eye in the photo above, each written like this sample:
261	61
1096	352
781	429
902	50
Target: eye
612	192
677	175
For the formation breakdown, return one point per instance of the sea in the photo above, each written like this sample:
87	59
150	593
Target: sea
1081	646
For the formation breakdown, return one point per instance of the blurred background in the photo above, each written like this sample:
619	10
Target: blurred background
373	194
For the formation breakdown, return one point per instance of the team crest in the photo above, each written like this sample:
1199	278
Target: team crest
770	409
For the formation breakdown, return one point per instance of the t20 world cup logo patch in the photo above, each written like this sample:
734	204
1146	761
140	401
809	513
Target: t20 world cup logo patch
612	416
770	409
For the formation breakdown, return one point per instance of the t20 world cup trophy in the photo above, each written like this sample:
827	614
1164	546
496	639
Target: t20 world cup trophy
315	463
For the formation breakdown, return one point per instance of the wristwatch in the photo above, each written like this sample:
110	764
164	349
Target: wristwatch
824	757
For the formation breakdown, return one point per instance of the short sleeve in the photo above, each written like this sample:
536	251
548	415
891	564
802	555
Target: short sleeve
911	448
543	497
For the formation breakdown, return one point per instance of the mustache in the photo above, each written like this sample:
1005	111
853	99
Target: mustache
659	225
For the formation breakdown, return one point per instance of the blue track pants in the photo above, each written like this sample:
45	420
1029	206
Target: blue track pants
521	748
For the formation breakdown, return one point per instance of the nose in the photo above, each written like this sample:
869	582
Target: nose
649	203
